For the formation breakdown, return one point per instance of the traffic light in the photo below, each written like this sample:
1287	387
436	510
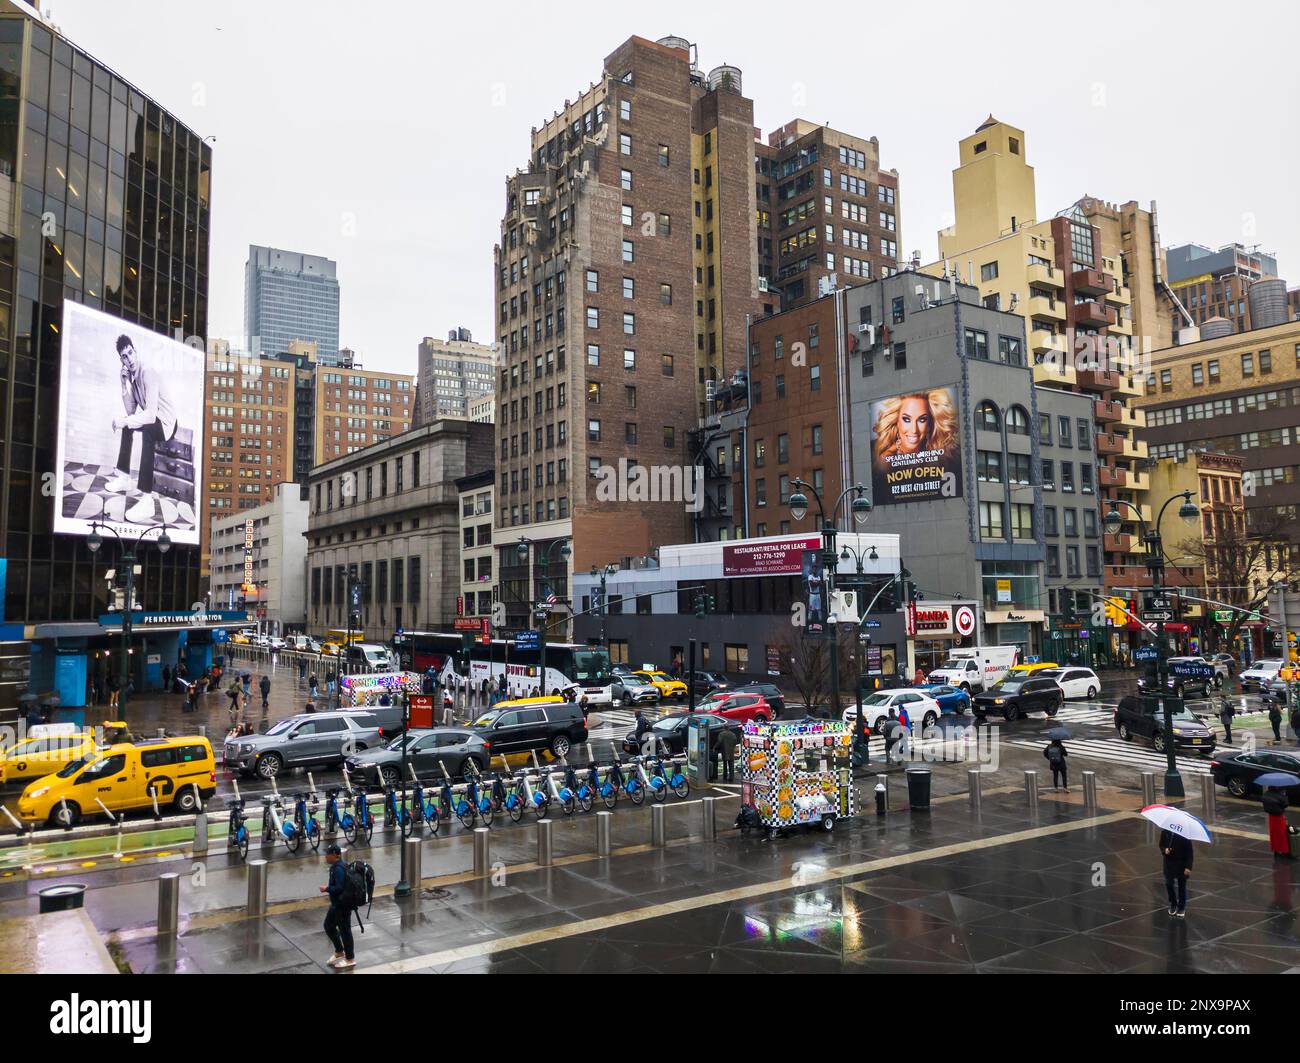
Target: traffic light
704	603
1067	607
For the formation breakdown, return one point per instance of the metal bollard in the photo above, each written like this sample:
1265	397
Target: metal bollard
545	846
169	902
658	826
1148	788
974	782
1208	810
710	807
482	860
604	832
414	862
202	730
1090	791
1031	790
883	780
257	888
162	732
200	833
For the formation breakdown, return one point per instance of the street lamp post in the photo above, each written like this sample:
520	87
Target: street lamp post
403	888
541	610
861	508
128	548
602	573
1155	563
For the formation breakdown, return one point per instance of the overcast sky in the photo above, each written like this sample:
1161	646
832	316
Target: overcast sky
380	134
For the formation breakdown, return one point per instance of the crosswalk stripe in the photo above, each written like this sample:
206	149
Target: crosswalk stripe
1117	753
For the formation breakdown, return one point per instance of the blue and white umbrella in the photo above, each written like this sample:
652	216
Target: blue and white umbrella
1176	821
1280	779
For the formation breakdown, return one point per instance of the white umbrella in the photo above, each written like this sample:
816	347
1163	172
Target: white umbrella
1176	821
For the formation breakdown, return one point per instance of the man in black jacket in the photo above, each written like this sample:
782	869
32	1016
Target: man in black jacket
338	921
1226	713
1177	853
265	687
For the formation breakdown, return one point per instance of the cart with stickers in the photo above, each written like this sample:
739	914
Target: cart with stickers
795	773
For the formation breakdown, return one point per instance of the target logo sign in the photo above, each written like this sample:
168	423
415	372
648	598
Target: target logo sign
963	620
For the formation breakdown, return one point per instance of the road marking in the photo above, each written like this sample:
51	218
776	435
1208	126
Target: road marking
1114	751
810	877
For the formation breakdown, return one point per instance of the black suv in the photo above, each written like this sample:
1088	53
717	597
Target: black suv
1013	696
770	691
556	725
1180	686
706	683
1142	717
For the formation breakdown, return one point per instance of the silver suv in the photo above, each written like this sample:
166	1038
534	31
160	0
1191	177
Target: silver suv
303	741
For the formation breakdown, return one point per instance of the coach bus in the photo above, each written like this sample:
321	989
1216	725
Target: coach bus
568	664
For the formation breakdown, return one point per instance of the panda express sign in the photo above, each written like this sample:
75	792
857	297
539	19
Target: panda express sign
947	620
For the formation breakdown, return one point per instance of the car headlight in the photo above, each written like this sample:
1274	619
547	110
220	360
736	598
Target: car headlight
38	793
999	701
247	747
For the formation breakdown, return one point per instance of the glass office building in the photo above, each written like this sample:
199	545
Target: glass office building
291	296
104	200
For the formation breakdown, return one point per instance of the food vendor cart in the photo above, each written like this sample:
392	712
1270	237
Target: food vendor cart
797	773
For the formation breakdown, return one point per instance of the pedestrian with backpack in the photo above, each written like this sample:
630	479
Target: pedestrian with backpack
1056	754
338	921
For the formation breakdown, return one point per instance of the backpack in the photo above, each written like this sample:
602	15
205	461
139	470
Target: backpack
1054	755
358	889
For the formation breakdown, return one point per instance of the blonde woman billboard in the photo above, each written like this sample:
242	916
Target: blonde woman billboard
915	448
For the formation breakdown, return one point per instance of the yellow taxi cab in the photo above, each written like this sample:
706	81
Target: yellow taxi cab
667	686
34	757
240	639
178	772
1024	671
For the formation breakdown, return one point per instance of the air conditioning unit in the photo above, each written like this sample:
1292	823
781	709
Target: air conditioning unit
869	331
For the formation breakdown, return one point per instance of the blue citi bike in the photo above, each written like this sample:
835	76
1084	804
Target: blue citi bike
238	836
360	823
302	825
424	808
396	812
662	780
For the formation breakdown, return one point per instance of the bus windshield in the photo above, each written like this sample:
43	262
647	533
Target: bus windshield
591	665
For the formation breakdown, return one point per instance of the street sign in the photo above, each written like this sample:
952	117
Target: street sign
1156	601
1145	653
1192	668
1156	615
873	624
528	640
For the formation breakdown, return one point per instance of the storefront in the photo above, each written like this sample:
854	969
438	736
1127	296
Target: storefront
1021	628
937	627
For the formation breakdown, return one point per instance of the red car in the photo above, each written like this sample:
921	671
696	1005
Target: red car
740	707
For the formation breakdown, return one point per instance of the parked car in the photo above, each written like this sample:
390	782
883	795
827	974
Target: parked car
1276	687
1253	676
951	699
388	718
275	642
742	706
1024	671
527	724
1239	770
769	690
1075	682
33	757
706	683
671	731
1143	718
922	710
426	753
306	740
1010	698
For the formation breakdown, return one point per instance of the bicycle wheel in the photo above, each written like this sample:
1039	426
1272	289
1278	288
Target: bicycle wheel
293	840
681	786
587	802
241	843
485	814
611	798
350	830
466	815
313	835
637	793
515	811
544	808
369	828
568	806
661	793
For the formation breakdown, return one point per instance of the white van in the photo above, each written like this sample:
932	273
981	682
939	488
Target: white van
370	655
975	668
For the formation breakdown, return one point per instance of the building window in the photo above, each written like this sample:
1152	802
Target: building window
988	466
629	358
666	364
1265	363
593	354
815	378
1212	368
663	155
977	344
989	271
593	431
1247	365
1049	521
666	294
629	251
625	144
627	214
991	520
670	437
737	658
1049	475
625	180
986	418
760	491
1017	421
1022	520
1010	350
1198	374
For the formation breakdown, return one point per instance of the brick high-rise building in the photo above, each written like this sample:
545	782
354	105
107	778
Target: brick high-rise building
625	277
824	207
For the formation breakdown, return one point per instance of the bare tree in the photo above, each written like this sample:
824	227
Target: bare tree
810	668
1243	560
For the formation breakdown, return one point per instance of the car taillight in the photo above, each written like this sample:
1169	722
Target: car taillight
212	777
487	745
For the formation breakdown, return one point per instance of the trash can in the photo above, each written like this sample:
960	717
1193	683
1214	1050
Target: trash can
918	789
62	898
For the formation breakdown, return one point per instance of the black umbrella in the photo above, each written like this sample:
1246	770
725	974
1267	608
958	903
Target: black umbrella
1058	734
